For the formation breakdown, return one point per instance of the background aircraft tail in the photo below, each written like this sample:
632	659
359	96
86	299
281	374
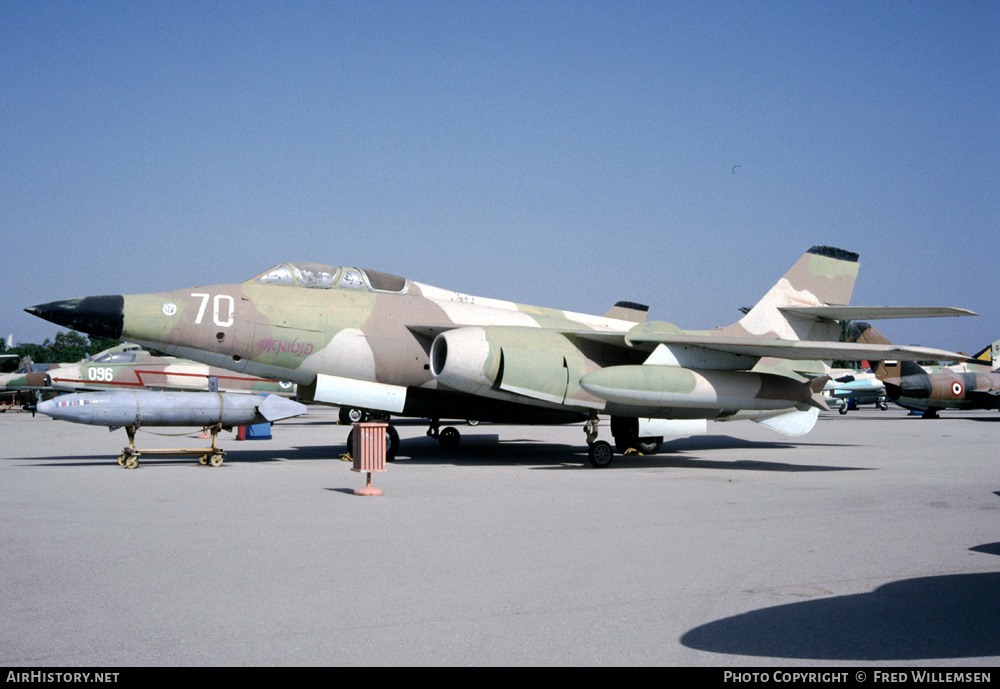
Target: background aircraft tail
864	333
988	356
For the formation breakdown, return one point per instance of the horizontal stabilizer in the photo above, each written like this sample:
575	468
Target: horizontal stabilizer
874	313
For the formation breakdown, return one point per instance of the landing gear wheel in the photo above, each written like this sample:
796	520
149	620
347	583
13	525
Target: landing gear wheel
644	446
843	409
349	415
449	438
600	454
649	446
391	443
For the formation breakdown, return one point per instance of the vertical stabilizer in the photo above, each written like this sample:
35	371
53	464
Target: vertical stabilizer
864	333
823	276
988	356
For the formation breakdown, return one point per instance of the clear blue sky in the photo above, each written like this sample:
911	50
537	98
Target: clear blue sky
564	154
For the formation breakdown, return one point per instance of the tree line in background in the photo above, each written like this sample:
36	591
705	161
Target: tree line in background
68	347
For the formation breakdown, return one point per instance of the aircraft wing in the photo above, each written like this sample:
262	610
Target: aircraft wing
782	349
874	313
800	350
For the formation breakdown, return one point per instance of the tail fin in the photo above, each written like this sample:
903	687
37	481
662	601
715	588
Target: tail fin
823	276
866	334
988	356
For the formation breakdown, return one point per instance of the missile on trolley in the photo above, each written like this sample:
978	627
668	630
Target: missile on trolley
134	408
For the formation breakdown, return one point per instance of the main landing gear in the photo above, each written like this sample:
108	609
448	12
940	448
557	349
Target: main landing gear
625	431
600	453
449	437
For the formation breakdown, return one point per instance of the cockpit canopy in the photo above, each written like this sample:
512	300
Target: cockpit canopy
317	276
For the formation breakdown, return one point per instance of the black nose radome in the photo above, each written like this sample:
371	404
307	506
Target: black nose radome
100	316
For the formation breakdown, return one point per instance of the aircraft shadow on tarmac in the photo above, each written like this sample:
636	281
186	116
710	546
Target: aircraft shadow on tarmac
928	618
489	450
952	616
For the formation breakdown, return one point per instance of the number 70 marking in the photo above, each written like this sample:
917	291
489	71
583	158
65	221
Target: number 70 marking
223	307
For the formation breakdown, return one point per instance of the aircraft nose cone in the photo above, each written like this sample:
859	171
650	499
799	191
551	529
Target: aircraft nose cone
100	316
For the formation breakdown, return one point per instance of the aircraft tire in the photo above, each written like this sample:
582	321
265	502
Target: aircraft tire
649	446
645	446
351	415
391	443
625	432
600	454
449	438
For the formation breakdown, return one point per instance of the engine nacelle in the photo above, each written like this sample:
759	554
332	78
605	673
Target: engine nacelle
490	361
464	359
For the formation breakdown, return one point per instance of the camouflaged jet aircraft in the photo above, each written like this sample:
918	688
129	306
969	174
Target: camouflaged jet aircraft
360	338
129	366
973	384
137	370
